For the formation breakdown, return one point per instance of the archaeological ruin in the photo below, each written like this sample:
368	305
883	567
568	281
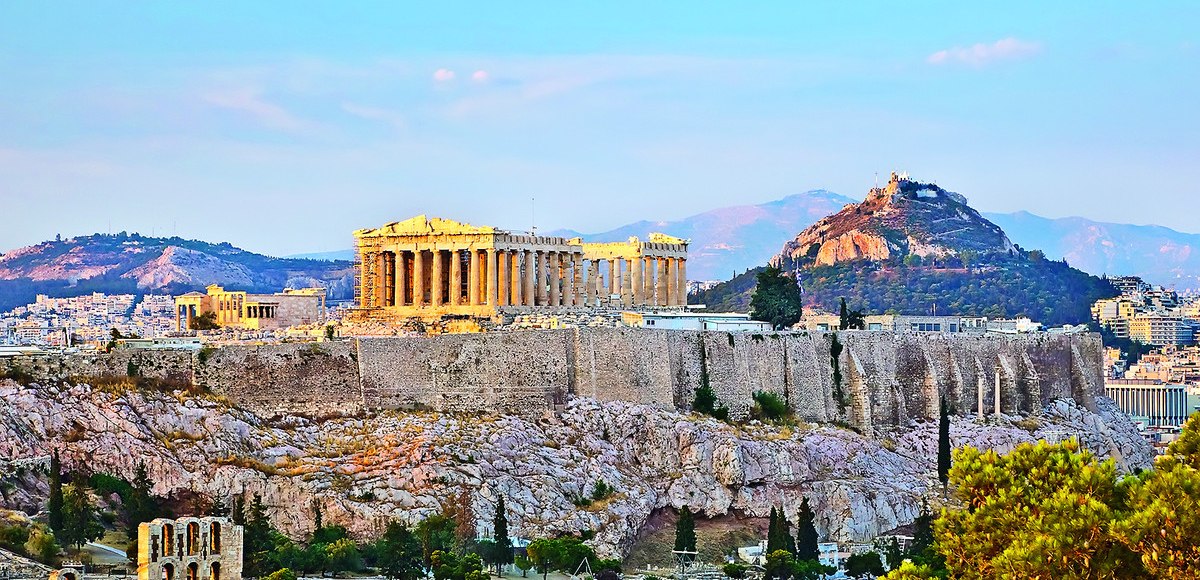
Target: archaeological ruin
207	548
430	268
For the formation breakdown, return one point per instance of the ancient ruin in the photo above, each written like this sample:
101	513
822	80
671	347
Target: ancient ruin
208	548
430	268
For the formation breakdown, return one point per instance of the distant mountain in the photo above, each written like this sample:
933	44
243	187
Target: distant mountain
334	256
131	263
727	241
1157	254
915	248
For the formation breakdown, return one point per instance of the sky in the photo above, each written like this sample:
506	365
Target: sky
283	127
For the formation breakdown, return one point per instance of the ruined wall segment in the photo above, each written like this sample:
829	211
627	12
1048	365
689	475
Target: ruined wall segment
310	378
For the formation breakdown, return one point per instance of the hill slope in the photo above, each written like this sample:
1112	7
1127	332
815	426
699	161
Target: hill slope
131	263
1157	254
914	248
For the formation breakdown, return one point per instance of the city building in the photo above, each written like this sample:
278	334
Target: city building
252	311
1155	402
723	321
432	268
942	324
207	548
1162	330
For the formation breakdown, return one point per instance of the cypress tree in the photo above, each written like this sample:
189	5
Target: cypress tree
785	533
141	506
943	458
843	316
773	542
56	495
806	533
317	518
237	513
504	550
685	532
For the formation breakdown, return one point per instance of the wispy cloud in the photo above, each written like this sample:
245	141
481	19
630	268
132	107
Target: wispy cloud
250	101
981	54
388	116
443	75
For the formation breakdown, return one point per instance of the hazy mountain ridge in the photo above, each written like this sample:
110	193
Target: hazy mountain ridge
131	263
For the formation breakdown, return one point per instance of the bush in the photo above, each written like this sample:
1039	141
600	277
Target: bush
735	570
769	406
282	574
864	564
602	490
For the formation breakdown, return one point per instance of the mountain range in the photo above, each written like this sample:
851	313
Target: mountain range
132	263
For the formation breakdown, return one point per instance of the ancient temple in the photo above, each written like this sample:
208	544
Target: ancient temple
430	268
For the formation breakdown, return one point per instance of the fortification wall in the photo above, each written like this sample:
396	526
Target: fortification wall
885	379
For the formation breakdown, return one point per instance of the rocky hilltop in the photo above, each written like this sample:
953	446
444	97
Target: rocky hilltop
367	469
132	263
905	217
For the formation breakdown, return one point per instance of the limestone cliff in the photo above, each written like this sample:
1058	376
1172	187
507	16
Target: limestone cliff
903	218
370	468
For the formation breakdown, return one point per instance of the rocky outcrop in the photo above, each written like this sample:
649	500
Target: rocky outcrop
903	218
369	469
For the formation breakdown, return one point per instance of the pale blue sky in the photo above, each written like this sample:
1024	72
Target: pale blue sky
281	127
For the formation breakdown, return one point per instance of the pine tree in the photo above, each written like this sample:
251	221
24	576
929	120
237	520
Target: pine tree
806	533
80	523
256	538
503	543
141	506
317	518
56	494
843	316
943	458
785	533
238	512
685	532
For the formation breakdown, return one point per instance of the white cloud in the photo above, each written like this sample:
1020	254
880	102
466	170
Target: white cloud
443	75
250	101
388	116
981	54
480	76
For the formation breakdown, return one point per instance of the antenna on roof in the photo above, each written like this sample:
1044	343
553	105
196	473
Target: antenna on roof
876	180
532	217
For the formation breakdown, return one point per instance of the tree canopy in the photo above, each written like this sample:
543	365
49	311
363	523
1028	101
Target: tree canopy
777	299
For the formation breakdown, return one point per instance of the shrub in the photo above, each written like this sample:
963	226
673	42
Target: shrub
602	490
769	406
282	574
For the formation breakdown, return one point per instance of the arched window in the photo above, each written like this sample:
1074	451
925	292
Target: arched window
193	571
193	538
214	532
168	546
168	572
216	571
69	576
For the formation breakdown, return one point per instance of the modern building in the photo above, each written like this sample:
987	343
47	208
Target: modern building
942	324
1155	402
720	321
252	311
1162	330
433	268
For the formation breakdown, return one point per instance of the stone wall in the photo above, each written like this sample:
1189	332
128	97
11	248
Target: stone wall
886	379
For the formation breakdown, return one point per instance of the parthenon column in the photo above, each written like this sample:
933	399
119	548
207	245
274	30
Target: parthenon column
473	277
454	288
491	277
514	278
577	279
648	272
626	287
555	279
612	276
635	281
530	274
401	279
593	283
435	281
661	287
418	277
380	274
681	270
543	258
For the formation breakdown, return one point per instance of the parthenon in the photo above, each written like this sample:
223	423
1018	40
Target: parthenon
428	268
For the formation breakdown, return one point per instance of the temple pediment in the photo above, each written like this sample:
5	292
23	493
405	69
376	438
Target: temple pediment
425	225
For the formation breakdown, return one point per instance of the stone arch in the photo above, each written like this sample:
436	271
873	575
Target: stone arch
193	538
168	540
215	571
214	535
193	571
168	571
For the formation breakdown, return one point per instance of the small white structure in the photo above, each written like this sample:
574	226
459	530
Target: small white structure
67	572
674	320
828	555
755	555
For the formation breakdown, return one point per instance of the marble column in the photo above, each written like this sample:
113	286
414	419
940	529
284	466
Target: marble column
635	281
490	271
626	287
514	278
387	279
683	281
435	279
401	279
529	292
660	282
504	275
577	279
648	272
612	276
418	298
473	277
455	286
542	259
555	279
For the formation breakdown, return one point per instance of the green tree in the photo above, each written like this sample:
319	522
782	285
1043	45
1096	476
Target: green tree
893	555
343	556
318	517
943	458
140	506
779	565
41	545
843	315
523	564
864	564
685	533
769	407
735	570
80	523
448	566
774	540
777	299
257	540
1041	511
435	533
544	552
204	321
282	574
237	513
503	550
55	507
806	533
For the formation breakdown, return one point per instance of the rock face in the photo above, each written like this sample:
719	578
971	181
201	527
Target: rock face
903	218
372	468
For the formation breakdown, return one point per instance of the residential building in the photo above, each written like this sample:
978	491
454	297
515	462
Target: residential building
1161	330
